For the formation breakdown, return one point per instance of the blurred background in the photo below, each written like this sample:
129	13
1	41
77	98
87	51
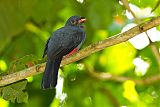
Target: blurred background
124	75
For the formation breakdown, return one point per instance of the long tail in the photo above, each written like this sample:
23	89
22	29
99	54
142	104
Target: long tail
50	75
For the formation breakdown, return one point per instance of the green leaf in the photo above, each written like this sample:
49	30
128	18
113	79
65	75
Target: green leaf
15	92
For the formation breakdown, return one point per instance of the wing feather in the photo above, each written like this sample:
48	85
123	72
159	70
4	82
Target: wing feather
64	41
46	48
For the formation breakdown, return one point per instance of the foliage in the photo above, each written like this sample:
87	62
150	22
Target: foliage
15	92
25	26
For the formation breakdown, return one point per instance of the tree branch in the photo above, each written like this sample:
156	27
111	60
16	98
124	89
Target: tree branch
119	38
107	76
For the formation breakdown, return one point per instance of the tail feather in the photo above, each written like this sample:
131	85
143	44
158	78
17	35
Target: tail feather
51	73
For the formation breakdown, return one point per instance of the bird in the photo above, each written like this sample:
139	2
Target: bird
63	42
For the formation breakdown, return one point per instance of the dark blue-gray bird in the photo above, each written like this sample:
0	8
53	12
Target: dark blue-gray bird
64	41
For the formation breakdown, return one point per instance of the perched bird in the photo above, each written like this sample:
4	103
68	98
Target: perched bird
64	41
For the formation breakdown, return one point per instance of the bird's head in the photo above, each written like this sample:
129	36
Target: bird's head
75	21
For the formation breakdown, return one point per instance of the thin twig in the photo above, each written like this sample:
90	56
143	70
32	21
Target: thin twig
11	78
156	53
110	96
109	77
156	6
126	5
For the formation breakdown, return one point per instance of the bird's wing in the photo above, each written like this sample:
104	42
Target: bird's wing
76	39
82	39
64	41
46	48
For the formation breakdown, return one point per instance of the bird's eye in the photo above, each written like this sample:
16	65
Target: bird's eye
73	22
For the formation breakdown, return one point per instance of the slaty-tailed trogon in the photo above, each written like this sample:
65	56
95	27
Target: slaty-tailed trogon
63	41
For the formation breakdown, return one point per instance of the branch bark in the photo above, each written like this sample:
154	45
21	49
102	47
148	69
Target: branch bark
119	38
